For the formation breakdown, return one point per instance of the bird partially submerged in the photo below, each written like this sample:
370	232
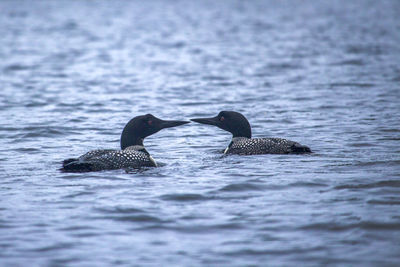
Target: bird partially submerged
132	154
243	144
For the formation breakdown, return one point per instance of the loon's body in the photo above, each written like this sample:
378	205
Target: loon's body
132	154
243	144
256	146
109	159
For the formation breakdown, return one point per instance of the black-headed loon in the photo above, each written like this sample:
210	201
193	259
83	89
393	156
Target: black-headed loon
243	144
132	153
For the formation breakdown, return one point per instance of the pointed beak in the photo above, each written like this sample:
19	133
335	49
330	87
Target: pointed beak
168	124
211	121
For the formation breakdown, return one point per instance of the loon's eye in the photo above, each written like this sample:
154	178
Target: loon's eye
222	118
150	122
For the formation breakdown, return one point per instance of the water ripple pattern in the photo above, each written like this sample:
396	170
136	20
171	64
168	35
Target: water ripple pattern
323	73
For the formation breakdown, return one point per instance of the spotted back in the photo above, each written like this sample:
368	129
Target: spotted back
130	157
254	146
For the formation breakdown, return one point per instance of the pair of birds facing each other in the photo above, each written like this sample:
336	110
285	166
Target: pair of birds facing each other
134	155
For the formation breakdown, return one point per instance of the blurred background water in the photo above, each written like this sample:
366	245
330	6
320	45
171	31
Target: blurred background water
323	73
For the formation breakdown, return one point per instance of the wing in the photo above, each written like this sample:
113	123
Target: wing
276	145
96	153
108	159
257	146
125	159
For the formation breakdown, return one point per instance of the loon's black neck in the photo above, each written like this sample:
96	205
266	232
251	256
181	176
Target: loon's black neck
236	135
127	142
130	137
243	130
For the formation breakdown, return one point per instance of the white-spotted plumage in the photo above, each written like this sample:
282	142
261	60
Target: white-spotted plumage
254	146
108	159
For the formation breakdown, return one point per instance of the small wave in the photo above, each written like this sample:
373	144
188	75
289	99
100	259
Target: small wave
328	106
138	218
283	66
214	78
17	67
27	149
354	62
261	251
240	187
379	162
396	78
389	183
389	139
307	184
183	197
365	49
384	202
367	225
274	68
43	133
390	130
172	45
77	228
57	246
225	84
338	84
130	218
119	210
360	144
195	228
78	194
5	225
192	103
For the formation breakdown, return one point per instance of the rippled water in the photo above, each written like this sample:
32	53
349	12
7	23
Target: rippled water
323	73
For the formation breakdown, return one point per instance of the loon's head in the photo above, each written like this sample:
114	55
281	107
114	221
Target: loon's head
230	121
140	127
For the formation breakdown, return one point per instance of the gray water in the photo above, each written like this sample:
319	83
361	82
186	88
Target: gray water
323	73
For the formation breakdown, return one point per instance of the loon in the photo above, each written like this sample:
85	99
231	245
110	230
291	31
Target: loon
132	154
243	144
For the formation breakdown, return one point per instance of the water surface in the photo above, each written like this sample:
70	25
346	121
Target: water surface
327	75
